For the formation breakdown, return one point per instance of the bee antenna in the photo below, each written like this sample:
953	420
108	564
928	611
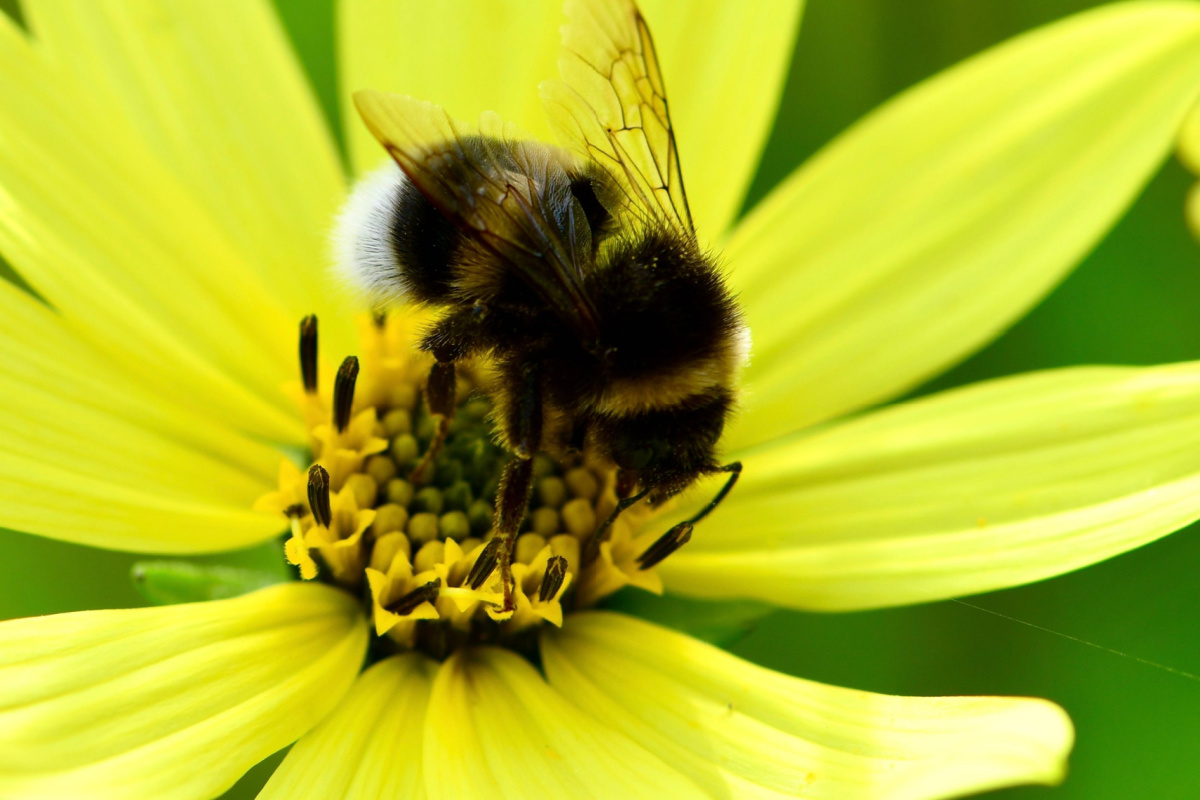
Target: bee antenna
735	471
601	535
681	534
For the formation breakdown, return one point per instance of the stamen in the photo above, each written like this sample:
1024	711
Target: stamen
476	518
343	393
308	353
485	564
552	579
426	593
667	544
318	495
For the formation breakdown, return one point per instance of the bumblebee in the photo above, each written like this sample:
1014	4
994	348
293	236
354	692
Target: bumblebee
574	270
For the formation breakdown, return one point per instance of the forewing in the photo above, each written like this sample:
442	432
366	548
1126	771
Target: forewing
611	107
512	198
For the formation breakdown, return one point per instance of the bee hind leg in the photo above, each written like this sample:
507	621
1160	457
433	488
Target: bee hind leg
453	338
441	398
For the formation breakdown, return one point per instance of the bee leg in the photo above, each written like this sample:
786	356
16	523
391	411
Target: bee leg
441	397
452	339
516	485
578	437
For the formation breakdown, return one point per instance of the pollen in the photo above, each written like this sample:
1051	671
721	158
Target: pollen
376	513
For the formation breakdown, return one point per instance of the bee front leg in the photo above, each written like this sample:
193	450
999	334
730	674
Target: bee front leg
524	429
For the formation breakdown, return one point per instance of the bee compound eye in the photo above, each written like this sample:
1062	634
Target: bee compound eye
634	458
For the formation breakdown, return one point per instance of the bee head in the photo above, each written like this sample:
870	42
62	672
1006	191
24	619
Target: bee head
669	448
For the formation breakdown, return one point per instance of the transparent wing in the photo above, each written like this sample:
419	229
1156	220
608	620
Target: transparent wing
512	197
611	108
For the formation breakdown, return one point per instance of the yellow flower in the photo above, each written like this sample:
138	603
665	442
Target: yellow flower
166	185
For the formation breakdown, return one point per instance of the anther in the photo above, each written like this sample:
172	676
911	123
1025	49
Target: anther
308	353
318	495
552	579
425	593
667	544
343	392
485	564
294	511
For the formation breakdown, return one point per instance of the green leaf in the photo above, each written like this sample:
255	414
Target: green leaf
722	623
165	583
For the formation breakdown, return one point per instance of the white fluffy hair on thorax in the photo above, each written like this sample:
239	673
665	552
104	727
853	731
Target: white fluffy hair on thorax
364	256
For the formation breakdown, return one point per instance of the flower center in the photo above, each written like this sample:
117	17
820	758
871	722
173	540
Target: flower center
397	505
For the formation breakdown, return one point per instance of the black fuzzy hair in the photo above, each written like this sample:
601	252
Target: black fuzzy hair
662	303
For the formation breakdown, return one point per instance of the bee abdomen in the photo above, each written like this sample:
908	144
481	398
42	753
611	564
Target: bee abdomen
393	243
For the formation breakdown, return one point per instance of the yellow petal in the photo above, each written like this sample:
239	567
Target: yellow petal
468	56
110	237
37	425
927	228
1189	144
40	497
221	100
495	729
92	456
1189	154
170	702
724	63
69	392
979	488
743	731
370	747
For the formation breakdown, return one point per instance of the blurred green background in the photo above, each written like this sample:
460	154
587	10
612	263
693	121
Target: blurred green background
1133	301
